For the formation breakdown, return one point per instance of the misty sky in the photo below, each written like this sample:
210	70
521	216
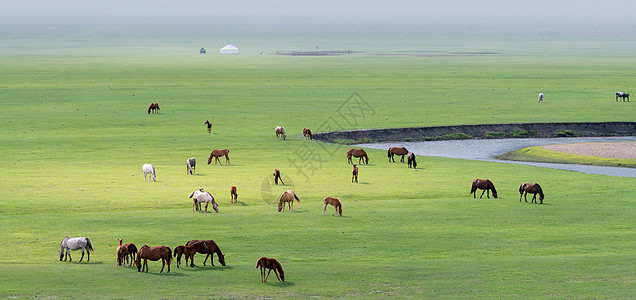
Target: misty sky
40	15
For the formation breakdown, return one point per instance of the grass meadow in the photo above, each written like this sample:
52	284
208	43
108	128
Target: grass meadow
75	133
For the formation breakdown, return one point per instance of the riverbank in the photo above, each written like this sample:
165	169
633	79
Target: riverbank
613	154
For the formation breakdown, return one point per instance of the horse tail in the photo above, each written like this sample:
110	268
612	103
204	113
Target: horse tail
169	260
388	153
175	251
521	189
340	207
473	188
89	245
296	197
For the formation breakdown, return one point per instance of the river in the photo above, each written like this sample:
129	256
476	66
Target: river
487	149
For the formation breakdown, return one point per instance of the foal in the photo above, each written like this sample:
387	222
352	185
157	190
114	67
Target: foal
271	264
233	194
122	254
209	126
189	252
355	173
337	204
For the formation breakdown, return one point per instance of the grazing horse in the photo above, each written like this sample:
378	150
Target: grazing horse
336	204
396	151
485	185
354	173
75	244
132	252
189	252
307	134
280	131
287	197
154	108
360	153
622	95
154	254
532	188
233	195
410	158
149	169
277	177
210	249
122	254
191	165
271	264
218	153
209	126
201	196
540	97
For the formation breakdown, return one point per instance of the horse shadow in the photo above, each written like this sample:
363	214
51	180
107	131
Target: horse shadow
280	284
239	203
201	268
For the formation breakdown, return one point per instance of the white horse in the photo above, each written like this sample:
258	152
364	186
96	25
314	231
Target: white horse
149	169
280	131
540	97
75	244
201	196
191	164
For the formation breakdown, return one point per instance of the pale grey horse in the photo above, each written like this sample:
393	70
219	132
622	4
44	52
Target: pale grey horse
75	244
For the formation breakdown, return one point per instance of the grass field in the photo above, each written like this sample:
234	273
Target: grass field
75	133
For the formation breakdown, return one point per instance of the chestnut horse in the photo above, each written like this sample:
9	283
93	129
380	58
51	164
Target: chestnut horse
485	185
189	252
411	160
280	131
532	188
271	264
336	204
218	153
233	194
360	153
396	151
209	126
154	254
132	252
191	165
122	254
154	107
354	173
307	134
210	248
287	197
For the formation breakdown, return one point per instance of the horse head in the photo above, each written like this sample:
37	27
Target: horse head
215	205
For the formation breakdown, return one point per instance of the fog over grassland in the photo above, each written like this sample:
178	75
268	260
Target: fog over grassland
192	18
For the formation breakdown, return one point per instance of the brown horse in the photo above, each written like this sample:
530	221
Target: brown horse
396	151
485	185
154	254
233	194
122	254
218	153
360	153
532	188
132	252
277	177
307	134
209	126
354	173
154	108
210	248
287	197
189	252
410	157
271	264
336	204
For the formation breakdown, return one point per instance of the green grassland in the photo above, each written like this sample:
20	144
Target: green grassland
75	133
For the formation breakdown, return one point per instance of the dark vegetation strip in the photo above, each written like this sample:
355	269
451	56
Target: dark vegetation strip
485	131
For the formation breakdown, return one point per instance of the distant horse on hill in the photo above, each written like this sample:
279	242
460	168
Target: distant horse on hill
354	173
154	108
532	188
149	169
540	97
396	151
280	131
191	165
271	264
337	204
233	195
287	197
359	153
622	95
218	153
209	126
307	134
485	185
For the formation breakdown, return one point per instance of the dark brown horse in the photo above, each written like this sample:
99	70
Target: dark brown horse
154	108
210	249
122	254
410	158
277	177
396	151
271	264
307	134
532	188
188	252
233	194
287	197
154	254
360	153
485	185
337	204
354	173
218	153
209	125
132	252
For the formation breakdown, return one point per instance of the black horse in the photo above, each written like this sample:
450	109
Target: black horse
622	95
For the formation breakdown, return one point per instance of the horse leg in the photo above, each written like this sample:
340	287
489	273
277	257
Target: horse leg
482	194
145	265
88	253
335	210
163	264
206	259
206	207
525	196
82	255
324	210
534	198
68	254
227	159
277	277
270	271
402	160
262	274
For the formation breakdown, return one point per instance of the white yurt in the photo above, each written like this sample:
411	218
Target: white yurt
229	49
